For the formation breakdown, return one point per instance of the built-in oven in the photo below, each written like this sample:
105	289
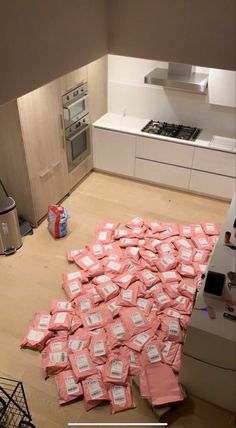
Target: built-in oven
77	142
75	104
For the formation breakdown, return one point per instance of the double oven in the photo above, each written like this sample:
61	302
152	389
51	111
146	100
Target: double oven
76	125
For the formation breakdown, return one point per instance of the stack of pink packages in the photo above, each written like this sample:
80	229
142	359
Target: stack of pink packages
128	305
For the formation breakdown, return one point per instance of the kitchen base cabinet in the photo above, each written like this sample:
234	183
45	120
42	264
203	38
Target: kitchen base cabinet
212	184
214	161
77	174
162	173
114	151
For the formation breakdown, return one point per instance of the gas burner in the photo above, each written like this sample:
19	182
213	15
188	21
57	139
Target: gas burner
172	130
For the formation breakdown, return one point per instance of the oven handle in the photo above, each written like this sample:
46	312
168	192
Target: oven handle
77	134
75	102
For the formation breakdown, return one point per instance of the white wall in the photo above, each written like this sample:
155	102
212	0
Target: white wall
127	94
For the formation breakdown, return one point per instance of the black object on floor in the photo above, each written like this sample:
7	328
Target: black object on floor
25	226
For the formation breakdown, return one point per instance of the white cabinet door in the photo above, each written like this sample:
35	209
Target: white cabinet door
156	172
164	151
215	161
114	151
212	184
222	87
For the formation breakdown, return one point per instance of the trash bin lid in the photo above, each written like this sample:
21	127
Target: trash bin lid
6	204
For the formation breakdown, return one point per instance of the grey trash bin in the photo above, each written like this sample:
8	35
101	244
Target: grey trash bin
10	237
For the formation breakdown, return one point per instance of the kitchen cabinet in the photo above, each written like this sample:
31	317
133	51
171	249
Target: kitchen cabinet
114	151
161	173
215	161
212	184
222	87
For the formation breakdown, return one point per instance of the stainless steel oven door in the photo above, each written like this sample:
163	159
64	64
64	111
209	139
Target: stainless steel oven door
74	111
78	147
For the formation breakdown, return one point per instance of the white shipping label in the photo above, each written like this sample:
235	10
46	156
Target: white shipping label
189	289
95	389
109	225
74	275
141	338
35	335
188	269
85	305
173	328
58	357
108	289
44	321
136	220
134	251
94	318
97	249
203	242
163	298
186	254
74	253
56	346
142	303
184	243
76	344
127	295
102	236
149	276
87	261
165	248
172	313
187	230
137	319
116	369
74	287
169	275
132	359
118	330
210	227
118	393
181	299
115	266
99	348
167	345
126	241
60	318
125	278
153	354
71	386
198	228
63	305
168	260
103	278
112	306
198	255
82	363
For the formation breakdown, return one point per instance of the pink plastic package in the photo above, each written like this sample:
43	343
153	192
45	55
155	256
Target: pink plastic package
71	254
185	230
145	305
96	318
98	348
183	319
196	229
54	362
135	222
188	290
200	256
121	233
170	329
75	323
185	255
108	290
35	338
149	256
121	398
155	226
169	276
134	363
186	270
103	236
134	320
60	321
108	224
202	242
169	351
162	300
117	333
114	306
67	387
210	229
200	268
93	294
128	297
167	389
82	364
125	279
79	274
166	263
182	304
117	367
84	303
152	244
137	342
42	320
177	360
172	289
61	306
149	278
97	249
95	270
57	344
151	353
138	232
79	340
73	288
182	242
85	260
100	279
143	384
114	267
94	390
128	242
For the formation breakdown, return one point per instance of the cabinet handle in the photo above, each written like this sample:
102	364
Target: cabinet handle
63	142
44	173
61	122
56	164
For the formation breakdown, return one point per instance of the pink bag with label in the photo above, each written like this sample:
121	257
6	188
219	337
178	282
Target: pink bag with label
128	297
75	323
135	222
82	364
60	321
169	276
182	242
117	333
149	278
95	270
61	306
162	300
98	348
152	244
125	279
166	263
182	304
210	229
172	289
73	288
117	367
121	233
151	353
155	226
202	242
134	362
84	304
101	279
165	248
177	360
94	390
183	319
186	270
143	384
79	341
170	327
138	232
197	229
213	240
93	294
134	320
54	362
79	274
144	265
188	290
41	320
85	260
121	398
149	256
35	338
169	351
200	256
97	249
167	389
137	342
128	242
72	253
108	290
67	388
57	343
104	236
114	267
185	230
145	305
132	253
96	318
114	306
200	268
185	255
108	224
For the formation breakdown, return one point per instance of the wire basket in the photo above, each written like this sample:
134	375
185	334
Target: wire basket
14	411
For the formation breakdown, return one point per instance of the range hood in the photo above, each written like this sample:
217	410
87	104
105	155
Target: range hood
180	77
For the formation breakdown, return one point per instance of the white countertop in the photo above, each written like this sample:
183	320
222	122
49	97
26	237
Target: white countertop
133	125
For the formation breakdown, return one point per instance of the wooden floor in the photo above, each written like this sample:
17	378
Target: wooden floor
32	277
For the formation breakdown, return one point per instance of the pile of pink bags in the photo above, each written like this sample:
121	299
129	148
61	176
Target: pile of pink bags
127	306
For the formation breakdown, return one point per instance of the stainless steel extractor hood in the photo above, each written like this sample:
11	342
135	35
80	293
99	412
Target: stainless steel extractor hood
180	77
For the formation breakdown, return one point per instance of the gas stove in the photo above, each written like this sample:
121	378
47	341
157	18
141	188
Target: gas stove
172	130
